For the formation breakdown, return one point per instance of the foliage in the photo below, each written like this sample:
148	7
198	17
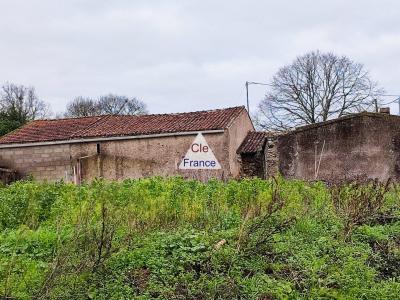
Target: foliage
18	105
172	238
8	124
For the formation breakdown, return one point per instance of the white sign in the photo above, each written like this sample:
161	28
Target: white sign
199	156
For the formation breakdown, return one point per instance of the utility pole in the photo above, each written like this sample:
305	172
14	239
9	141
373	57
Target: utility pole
247	97
247	92
398	100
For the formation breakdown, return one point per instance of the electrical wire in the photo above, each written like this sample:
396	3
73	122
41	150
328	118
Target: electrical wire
379	95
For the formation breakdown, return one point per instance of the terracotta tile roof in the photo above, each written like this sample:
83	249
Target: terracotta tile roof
111	126
255	141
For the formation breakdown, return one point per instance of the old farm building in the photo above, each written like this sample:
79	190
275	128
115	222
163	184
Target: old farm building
118	147
362	145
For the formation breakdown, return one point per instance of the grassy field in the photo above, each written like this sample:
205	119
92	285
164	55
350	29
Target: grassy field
175	239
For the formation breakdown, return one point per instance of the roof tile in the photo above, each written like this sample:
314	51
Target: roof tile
255	141
112	125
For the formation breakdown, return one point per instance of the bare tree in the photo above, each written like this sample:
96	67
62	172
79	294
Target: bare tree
121	105
108	104
82	107
21	103
317	87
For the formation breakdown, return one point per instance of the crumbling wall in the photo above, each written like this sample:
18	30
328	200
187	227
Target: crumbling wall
263	163
8	176
271	157
253	165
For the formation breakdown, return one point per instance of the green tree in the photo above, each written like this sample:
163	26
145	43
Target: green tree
18	105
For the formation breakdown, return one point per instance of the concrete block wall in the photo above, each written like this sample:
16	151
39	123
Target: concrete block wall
42	162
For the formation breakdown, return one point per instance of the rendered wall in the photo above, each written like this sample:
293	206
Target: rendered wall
365	146
237	132
138	158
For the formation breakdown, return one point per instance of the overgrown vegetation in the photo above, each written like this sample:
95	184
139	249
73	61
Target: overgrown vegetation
177	239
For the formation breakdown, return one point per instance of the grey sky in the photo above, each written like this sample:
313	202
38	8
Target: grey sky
185	55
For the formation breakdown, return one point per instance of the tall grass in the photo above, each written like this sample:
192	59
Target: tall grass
171	238
139	204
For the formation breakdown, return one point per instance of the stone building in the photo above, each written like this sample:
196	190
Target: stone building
258	155
118	147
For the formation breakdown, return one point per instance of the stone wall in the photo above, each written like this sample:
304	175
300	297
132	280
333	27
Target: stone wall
271	157
263	163
253	165
364	145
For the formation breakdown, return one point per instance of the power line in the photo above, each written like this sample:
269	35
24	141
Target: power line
260	83
247	91
268	84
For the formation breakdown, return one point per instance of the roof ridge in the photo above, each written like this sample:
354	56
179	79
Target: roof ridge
197	111
141	115
72	118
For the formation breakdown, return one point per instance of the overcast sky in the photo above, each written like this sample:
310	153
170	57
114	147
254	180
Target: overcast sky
186	55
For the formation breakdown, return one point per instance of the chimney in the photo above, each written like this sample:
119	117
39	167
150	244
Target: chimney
384	110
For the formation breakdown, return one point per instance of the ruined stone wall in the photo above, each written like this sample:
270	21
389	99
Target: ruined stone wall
262	164
271	157
253	165
367	145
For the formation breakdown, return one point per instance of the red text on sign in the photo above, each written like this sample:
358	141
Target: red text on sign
199	148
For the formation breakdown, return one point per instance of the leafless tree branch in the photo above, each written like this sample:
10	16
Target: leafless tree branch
314	88
108	104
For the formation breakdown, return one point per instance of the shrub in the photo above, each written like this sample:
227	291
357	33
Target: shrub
170	238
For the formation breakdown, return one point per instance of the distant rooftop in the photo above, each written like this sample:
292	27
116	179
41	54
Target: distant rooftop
119	126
